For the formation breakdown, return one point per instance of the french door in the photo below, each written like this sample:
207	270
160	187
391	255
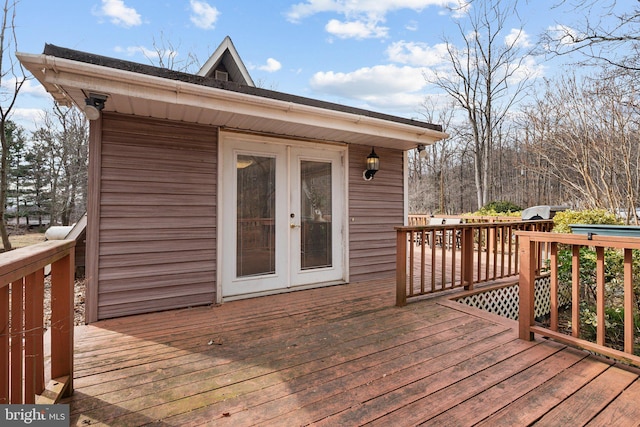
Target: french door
283	215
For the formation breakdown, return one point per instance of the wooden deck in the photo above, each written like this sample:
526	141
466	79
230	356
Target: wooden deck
339	356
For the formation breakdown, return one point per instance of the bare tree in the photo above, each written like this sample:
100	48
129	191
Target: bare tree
607	32
165	55
586	131
63	144
12	76
485	77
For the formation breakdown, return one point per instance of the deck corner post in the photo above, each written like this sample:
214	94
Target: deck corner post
467	258
401	268
526	287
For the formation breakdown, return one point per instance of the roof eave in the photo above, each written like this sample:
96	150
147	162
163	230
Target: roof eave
61	77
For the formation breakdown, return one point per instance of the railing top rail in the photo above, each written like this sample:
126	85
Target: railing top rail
489	218
470	225
619	242
18	263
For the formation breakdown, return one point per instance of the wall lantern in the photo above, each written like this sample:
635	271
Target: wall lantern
373	164
93	105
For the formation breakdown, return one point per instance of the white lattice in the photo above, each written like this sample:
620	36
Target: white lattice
504	301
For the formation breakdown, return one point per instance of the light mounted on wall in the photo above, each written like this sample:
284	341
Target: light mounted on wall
373	164
94	103
421	151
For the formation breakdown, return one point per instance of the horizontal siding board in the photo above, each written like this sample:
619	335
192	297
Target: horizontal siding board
120	199
159	176
154	223
143	295
375	208
159	235
140	271
151	187
128	309
159	282
152	211
153	259
158	215
150	246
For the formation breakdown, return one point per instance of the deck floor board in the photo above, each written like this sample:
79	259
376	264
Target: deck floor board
342	355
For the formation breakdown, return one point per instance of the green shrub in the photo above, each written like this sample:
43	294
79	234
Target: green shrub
499	208
562	220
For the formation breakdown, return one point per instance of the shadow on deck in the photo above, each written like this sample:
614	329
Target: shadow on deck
339	356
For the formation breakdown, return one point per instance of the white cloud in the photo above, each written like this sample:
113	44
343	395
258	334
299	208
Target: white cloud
356	29
518	38
564	34
362	17
412	26
29	87
417	53
271	66
119	14
29	118
386	86
204	15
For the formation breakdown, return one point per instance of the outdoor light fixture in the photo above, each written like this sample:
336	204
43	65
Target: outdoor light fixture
373	164
94	104
421	151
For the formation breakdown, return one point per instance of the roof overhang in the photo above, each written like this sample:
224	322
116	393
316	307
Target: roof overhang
70	82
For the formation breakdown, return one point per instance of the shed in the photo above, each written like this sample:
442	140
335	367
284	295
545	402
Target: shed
205	189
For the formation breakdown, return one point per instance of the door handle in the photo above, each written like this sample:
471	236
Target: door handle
294	225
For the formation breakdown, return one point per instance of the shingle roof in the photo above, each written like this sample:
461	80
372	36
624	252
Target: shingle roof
134	67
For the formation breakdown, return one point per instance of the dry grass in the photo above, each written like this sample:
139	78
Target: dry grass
20	241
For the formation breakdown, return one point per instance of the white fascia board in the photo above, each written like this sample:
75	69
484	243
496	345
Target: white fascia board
57	73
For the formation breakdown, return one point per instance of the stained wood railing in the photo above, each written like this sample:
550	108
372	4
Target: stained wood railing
529	242
419	220
439	258
22	330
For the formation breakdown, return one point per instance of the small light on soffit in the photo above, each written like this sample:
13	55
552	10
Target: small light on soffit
94	104
422	151
373	164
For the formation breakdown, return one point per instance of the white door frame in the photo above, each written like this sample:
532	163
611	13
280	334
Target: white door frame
288	275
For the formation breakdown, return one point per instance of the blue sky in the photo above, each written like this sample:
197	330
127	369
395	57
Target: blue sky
366	53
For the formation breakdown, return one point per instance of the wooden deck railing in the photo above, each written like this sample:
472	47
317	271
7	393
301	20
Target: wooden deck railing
437	258
529	241
418	220
22	293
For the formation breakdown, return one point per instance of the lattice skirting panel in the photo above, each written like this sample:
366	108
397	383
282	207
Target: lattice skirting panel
504	301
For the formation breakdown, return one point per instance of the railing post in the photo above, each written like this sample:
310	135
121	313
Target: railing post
62	276
467	258
526	287
401	268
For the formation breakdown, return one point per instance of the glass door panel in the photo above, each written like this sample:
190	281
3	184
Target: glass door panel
256	213
316	214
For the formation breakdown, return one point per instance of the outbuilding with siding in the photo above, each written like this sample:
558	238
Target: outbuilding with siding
204	188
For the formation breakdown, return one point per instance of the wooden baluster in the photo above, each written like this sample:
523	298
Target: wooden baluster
575	292
34	340
17	341
554	287
62	320
600	328
526	290
4	345
629	302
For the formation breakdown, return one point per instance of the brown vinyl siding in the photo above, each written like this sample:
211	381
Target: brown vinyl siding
375	208
157	230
